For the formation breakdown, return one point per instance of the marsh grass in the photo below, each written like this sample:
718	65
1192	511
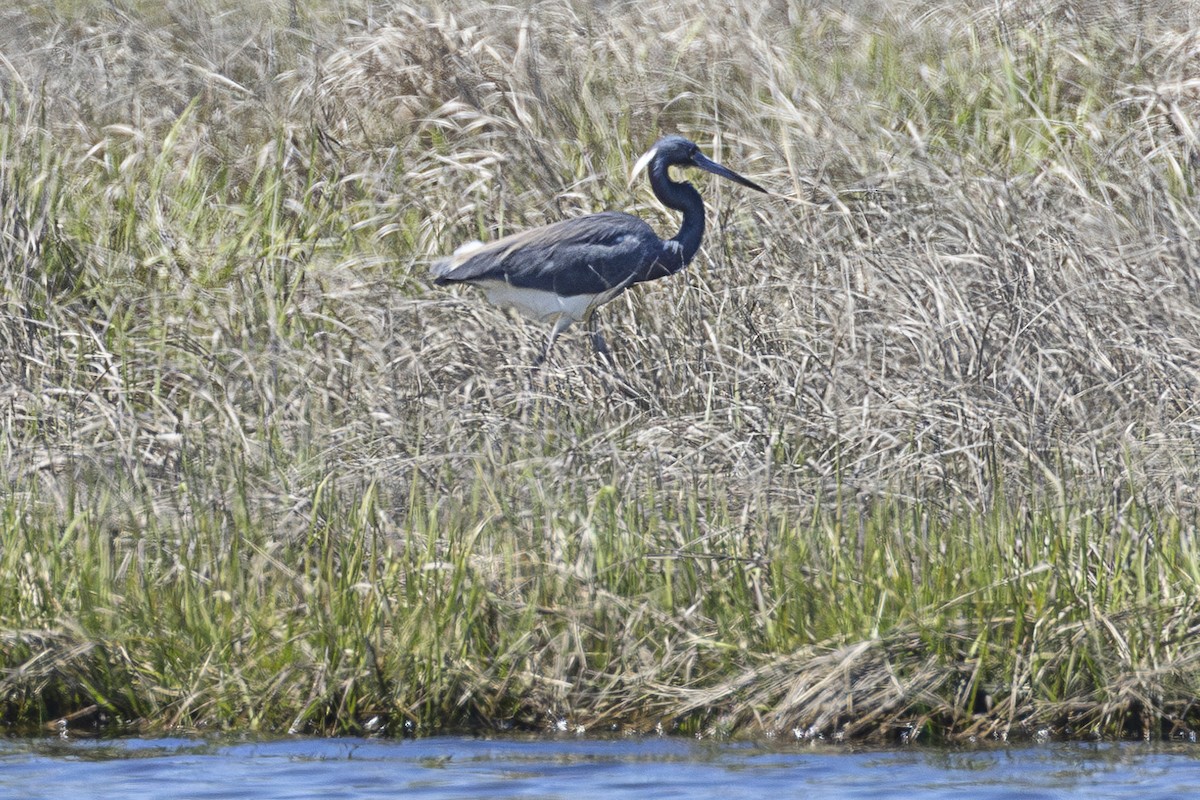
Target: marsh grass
908	453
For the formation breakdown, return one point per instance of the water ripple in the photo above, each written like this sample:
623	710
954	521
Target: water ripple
454	767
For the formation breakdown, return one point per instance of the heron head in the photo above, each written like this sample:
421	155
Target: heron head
676	151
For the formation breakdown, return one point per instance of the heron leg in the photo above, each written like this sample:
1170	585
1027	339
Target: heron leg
598	341
560	325
612	376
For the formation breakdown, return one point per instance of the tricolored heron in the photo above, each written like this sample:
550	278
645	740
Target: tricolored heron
564	271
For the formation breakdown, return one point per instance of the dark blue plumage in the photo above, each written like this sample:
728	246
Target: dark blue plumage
564	271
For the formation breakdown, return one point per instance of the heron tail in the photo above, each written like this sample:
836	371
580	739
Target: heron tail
440	270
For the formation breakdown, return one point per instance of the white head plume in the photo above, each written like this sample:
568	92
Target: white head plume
642	163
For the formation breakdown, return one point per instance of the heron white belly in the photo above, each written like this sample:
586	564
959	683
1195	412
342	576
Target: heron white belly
537	304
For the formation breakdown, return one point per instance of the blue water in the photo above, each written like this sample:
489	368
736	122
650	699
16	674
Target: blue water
452	767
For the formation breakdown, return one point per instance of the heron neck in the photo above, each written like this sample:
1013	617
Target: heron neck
681	197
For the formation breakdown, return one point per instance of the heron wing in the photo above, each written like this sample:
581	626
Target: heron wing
585	255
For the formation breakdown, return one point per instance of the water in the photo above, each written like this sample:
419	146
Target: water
450	767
